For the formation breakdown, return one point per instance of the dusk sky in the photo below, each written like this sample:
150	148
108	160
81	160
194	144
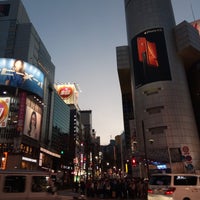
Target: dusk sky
81	37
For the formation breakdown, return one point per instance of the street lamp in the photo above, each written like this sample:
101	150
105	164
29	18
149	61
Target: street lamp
145	149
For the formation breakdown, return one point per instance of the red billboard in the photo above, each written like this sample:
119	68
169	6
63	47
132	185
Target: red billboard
68	92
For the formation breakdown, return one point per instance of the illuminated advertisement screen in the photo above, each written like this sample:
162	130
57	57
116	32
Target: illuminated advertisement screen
32	123
150	59
196	24
4	110
18	73
68	93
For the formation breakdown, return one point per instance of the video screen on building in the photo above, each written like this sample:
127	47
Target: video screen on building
32	123
18	73
150	59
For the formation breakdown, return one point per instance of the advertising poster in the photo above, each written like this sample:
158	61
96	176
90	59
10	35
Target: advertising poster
32	123
18	73
4	110
150	59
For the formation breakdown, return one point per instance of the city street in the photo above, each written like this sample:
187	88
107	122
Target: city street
68	194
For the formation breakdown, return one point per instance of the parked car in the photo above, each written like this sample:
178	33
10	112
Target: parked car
26	185
174	187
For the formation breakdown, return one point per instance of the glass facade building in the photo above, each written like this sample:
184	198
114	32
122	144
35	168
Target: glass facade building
61	115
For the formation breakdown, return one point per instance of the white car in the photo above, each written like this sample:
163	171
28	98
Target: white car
26	185
174	187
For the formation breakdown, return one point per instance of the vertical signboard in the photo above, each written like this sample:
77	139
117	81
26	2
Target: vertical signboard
150	59
22	110
4	110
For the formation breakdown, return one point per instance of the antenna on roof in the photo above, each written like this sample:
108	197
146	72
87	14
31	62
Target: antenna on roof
192	10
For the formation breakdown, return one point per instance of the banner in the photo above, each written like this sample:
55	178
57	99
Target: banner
4	110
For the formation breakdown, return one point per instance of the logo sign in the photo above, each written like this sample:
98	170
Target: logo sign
68	93
65	92
4	108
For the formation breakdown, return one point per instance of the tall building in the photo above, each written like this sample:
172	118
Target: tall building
166	128
26	94
60	139
123	66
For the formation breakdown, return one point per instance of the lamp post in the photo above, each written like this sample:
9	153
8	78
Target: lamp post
122	157
145	149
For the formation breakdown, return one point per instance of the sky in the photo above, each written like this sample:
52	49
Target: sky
81	37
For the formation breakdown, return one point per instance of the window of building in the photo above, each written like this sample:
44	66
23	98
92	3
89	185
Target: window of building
154	110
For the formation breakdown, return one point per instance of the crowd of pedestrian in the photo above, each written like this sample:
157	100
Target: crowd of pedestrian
130	188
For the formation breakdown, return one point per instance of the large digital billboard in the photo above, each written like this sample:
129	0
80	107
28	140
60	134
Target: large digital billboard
150	59
32	124
18	73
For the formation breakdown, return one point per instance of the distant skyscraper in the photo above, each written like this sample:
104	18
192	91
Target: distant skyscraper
161	94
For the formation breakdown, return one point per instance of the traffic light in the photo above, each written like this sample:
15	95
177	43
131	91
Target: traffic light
61	152
133	162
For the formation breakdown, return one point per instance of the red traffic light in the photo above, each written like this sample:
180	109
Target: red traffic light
133	161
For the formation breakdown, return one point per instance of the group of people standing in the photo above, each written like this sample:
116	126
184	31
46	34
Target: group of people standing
115	188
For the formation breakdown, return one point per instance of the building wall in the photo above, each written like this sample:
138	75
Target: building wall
164	105
61	115
20	40
123	68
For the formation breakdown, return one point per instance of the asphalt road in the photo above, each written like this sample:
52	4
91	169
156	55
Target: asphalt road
70	195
